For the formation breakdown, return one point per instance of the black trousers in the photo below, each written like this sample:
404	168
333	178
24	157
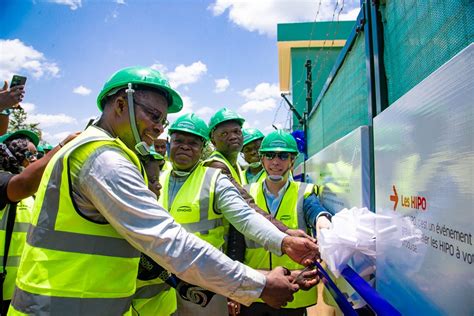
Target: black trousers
262	309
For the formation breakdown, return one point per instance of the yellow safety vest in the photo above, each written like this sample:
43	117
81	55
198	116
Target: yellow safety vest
260	178
238	175
193	206
154	298
23	216
290	213
166	166
193	209
72	265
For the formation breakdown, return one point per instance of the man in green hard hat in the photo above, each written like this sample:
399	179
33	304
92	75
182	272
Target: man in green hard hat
225	130
252	140
94	214
296	204
210	201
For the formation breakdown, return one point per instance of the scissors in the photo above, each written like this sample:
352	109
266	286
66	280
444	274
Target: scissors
300	276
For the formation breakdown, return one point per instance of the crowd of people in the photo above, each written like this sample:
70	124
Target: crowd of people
121	219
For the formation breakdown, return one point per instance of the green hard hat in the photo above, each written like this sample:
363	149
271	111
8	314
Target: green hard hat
22	132
141	76
40	149
224	115
190	123
279	141
47	146
251	134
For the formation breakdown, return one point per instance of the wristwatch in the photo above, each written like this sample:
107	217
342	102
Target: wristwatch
327	215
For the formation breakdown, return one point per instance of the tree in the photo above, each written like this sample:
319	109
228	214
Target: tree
18	120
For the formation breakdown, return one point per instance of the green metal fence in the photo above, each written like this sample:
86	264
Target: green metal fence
344	106
420	36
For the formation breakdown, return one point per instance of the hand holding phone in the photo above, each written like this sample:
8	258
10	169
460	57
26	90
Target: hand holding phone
17	81
9	98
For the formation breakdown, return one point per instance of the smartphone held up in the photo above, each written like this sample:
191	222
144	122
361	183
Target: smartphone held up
17	80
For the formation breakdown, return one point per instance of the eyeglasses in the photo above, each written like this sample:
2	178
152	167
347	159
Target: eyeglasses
155	116
281	156
30	156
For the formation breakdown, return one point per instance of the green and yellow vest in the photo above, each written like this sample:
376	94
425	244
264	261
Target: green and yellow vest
290	213
193	205
24	210
70	264
261	177
238	175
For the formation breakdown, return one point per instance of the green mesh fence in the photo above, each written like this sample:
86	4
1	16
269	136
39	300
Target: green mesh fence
344	106
420	36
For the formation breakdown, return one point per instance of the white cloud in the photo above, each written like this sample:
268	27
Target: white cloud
54	138
262	98
120	1
73	4
262	91
263	16
351	15
160	67
187	108
205	110
221	85
28	107
50	120
81	90
182	74
18	58
258	105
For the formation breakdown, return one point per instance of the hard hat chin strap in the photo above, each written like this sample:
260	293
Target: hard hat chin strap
140	146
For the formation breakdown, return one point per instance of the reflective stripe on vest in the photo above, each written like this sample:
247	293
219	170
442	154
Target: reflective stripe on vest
90	269
238	175
150	290
193	205
34	304
290	212
24	210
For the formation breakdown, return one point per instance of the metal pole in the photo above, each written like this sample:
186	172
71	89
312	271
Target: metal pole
309	104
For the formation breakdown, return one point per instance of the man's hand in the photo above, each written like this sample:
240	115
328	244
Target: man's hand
69	138
299	233
10	98
301	250
278	289
321	223
305	279
233	307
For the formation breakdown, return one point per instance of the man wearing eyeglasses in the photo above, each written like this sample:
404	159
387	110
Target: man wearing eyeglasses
293	203
94	214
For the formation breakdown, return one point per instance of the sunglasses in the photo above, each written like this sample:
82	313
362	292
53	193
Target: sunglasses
153	115
30	156
281	156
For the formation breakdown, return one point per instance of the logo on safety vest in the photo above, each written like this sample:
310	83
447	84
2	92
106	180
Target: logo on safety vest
184	208
285	217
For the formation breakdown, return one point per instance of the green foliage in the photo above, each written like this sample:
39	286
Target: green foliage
18	120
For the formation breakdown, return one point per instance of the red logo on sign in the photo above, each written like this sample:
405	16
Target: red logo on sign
394	198
413	202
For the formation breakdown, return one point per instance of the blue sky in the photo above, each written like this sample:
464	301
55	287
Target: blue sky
216	53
